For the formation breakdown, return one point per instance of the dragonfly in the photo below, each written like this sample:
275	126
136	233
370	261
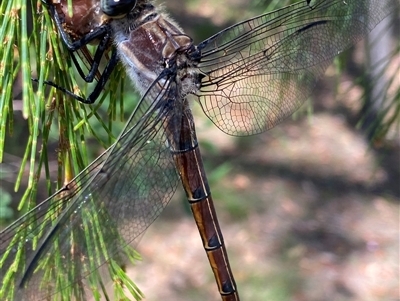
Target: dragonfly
247	78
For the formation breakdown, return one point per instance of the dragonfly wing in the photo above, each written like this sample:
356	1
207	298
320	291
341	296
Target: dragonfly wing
258	72
110	204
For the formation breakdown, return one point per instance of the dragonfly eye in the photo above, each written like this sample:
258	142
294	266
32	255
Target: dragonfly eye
116	8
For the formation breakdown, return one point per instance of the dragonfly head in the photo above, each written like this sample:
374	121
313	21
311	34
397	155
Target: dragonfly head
117	8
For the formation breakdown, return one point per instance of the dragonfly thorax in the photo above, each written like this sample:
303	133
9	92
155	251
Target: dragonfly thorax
148	43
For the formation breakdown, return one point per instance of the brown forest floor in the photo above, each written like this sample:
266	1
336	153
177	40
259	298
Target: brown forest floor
309	212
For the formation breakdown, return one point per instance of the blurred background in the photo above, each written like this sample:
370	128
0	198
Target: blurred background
309	210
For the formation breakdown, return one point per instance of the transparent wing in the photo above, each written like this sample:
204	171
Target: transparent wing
260	71
110	204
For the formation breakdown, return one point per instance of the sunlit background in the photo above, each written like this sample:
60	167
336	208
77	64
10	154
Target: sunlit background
309	209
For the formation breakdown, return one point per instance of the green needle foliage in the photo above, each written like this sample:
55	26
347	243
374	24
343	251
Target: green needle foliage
38	53
31	48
